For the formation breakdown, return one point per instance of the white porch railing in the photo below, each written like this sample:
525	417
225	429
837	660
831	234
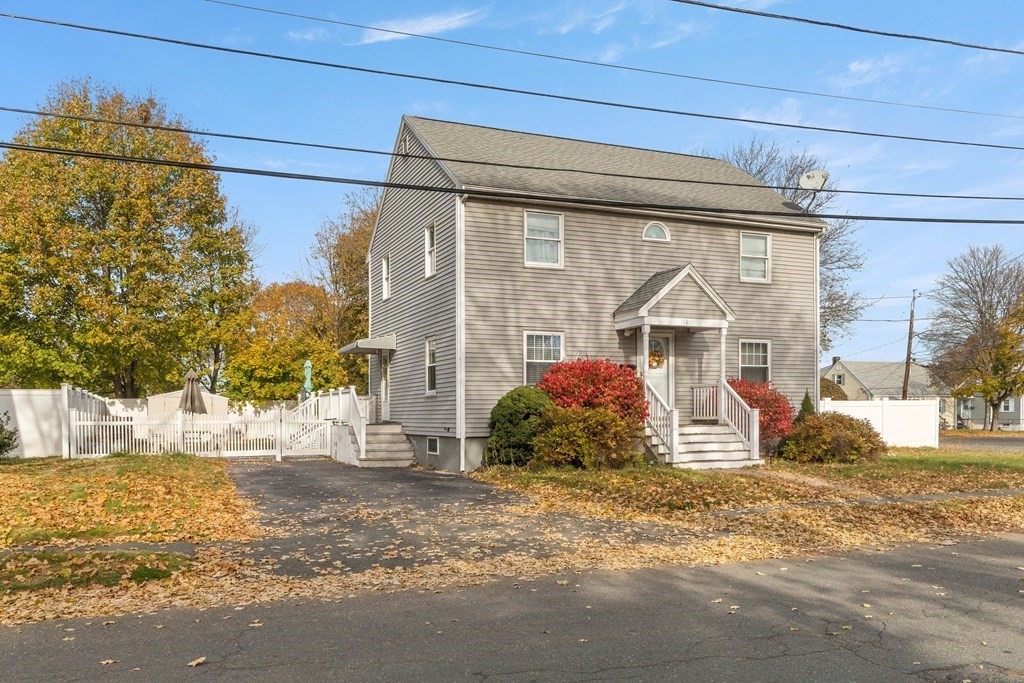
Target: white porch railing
664	423
358	417
720	402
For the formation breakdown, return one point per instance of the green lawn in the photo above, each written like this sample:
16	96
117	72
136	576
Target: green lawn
140	498
51	569
923	470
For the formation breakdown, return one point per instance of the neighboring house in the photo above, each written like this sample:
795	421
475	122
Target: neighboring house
872	380
973	412
471	295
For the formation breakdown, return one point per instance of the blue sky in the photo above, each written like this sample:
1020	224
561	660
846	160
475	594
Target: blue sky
246	95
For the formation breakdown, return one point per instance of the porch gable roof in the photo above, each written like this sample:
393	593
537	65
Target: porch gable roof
636	309
364	347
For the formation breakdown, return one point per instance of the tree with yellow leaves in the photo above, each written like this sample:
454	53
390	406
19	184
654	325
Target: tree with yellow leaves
113	274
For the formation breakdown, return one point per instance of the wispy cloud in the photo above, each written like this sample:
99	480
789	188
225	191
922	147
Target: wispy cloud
611	53
430	25
675	34
591	18
312	35
866	71
786	111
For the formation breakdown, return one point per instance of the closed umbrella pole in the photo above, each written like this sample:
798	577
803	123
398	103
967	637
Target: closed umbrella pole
192	395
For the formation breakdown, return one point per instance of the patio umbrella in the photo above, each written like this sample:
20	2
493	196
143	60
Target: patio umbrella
191	395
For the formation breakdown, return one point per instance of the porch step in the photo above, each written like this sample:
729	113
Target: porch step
707	438
705	429
385	438
387	446
722	445
717	464
372	461
384	428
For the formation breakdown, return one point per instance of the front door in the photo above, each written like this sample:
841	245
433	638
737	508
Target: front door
385	387
659	365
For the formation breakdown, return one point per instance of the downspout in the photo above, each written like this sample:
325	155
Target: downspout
460	328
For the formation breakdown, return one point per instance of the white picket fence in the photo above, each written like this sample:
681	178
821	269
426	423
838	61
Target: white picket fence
276	433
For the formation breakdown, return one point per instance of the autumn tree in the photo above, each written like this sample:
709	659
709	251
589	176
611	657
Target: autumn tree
286	326
975	336
336	263
99	259
840	253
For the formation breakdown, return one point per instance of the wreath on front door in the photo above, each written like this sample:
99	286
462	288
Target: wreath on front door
655	360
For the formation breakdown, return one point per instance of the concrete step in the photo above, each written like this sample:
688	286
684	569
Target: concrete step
717	464
384	462
386	437
377	447
706	447
387	428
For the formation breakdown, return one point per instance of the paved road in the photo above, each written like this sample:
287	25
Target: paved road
1000	443
941	613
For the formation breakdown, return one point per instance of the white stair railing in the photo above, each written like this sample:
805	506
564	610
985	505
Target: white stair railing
358	418
741	417
664	423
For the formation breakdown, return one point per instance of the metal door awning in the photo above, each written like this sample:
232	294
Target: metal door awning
365	347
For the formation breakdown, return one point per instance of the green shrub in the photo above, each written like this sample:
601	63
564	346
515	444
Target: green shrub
513	426
591	438
8	436
833	437
830	389
806	408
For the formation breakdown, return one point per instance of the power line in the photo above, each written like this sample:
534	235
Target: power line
533	167
606	65
901	338
847	27
515	91
216	168
888	320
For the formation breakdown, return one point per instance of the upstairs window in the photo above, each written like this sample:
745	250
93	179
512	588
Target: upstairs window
542	350
839	379
543	235
755	361
431	367
656	232
429	252
755	257
385	278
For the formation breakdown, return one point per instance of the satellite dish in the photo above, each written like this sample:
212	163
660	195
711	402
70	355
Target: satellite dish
814	180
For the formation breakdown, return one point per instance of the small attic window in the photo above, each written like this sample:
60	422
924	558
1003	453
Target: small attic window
656	232
403	145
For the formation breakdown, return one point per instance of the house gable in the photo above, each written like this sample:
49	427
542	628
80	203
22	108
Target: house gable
678	297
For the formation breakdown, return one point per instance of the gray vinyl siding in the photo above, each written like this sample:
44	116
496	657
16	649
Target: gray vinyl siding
419	307
605	260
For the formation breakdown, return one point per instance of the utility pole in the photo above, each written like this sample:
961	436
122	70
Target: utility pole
910	347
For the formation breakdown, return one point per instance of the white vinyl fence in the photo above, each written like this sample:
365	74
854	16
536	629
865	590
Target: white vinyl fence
276	433
901	423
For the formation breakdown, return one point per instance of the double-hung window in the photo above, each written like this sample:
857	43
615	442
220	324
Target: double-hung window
755	361
541	351
543	233
431	367
755	257
385	278
429	252
1007	406
840	378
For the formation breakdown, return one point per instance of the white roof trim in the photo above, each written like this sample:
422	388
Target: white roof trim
363	347
698	279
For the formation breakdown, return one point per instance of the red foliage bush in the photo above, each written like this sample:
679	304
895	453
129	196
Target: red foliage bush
776	412
586	383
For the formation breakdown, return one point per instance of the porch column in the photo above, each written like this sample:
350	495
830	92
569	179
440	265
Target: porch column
645	341
721	374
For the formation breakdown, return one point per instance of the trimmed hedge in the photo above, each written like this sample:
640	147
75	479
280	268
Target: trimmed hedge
589	438
833	437
513	426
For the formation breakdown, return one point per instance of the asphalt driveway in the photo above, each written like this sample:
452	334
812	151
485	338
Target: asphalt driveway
333	519
976	443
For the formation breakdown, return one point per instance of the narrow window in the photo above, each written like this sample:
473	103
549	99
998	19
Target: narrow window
755	361
543	234
433	445
543	349
429	252
755	257
840	379
656	232
1007	406
431	366
385	276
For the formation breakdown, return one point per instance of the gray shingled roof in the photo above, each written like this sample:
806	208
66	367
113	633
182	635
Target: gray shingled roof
886	378
647	290
464	141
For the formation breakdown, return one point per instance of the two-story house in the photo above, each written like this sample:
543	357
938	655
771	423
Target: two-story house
540	249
